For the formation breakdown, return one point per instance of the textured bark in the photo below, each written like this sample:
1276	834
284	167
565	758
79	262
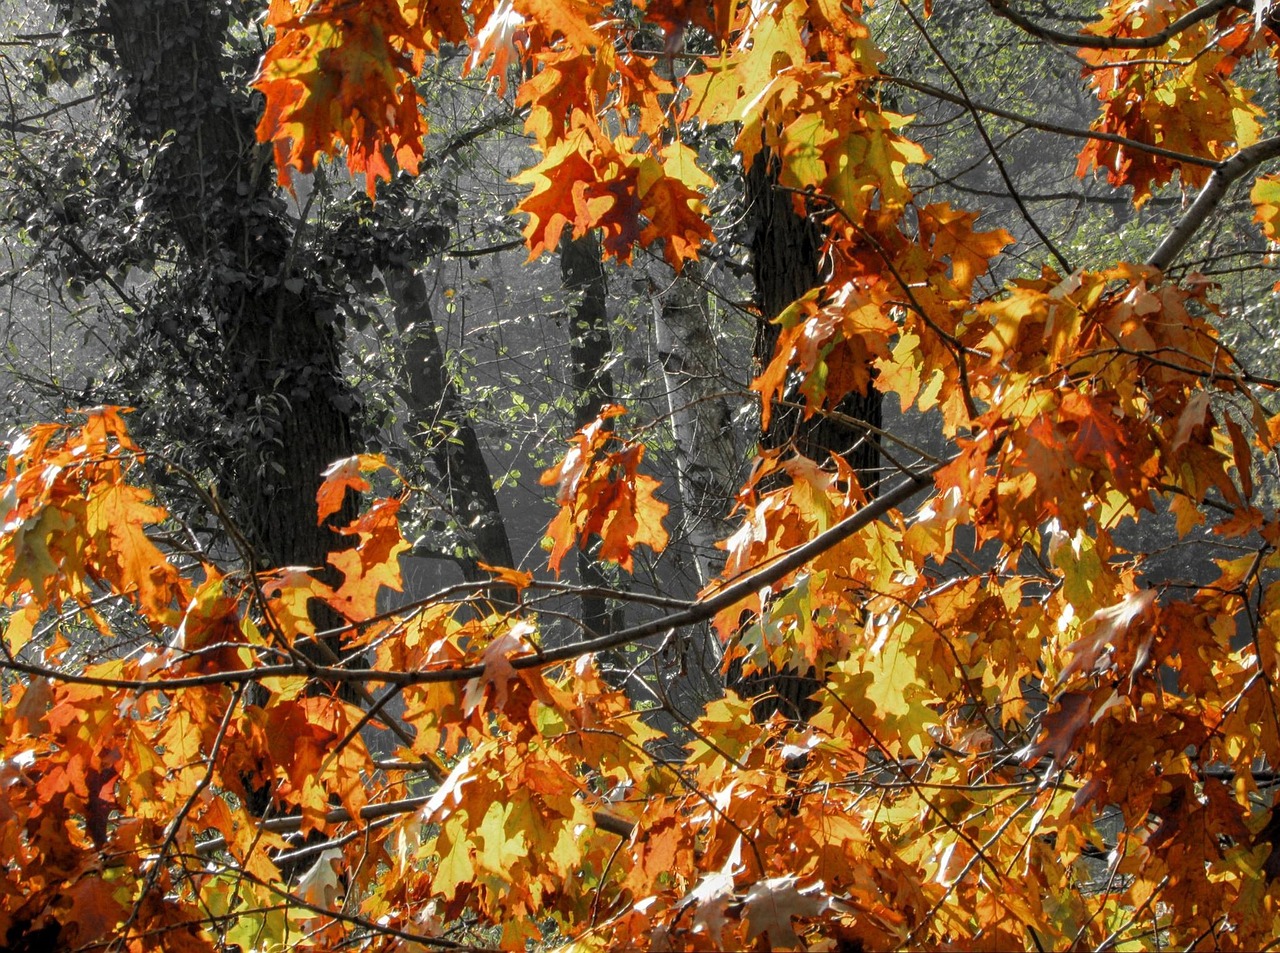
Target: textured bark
590	344
275	383
283	408
282	390
707	461
439	427
707	457
786	261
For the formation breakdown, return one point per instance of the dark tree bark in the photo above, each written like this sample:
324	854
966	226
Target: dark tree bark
280	389
786	261
267	324
786	253
590	343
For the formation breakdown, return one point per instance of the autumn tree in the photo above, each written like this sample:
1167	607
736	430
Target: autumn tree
227	315
1021	735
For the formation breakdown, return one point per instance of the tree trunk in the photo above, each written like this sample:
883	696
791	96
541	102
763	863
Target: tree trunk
439	427
590	344
786	260
269	325
707	458
277	380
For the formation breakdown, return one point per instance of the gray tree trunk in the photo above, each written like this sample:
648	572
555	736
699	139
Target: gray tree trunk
708	459
281	391
438	426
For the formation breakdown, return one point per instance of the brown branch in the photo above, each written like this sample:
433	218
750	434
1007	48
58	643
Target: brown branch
1014	194
373	813
175	824
459	252
700	611
378	929
1086	41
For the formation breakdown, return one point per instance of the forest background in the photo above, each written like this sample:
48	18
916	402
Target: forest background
929	571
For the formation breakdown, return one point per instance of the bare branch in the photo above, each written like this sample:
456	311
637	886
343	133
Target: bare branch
699	611
1238	166
1086	41
986	139
1070	132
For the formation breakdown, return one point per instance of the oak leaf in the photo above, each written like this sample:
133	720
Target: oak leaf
1109	627
505	38
498	671
771	904
601	492
343	476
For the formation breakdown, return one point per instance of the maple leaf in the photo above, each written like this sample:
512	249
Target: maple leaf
948	233
1191	109
515	578
211	628
587	180
674	209
1265	196
321	885
1058	729
291	590
553	94
374	562
32	551
713	895
549	205
94	910
572	20
675	16
633	517
833	338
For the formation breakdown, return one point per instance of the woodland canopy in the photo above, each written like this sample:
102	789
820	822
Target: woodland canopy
746	474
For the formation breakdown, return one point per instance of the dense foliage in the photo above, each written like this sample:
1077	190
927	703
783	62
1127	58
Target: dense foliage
1023	733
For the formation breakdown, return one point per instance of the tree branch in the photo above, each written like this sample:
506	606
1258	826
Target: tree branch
1085	41
1027	217
699	611
1070	132
1238	166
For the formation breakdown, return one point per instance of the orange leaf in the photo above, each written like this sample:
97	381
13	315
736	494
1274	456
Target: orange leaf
374	562
505	38
337	78
515	578
948	233
601	492
344	475
498	671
